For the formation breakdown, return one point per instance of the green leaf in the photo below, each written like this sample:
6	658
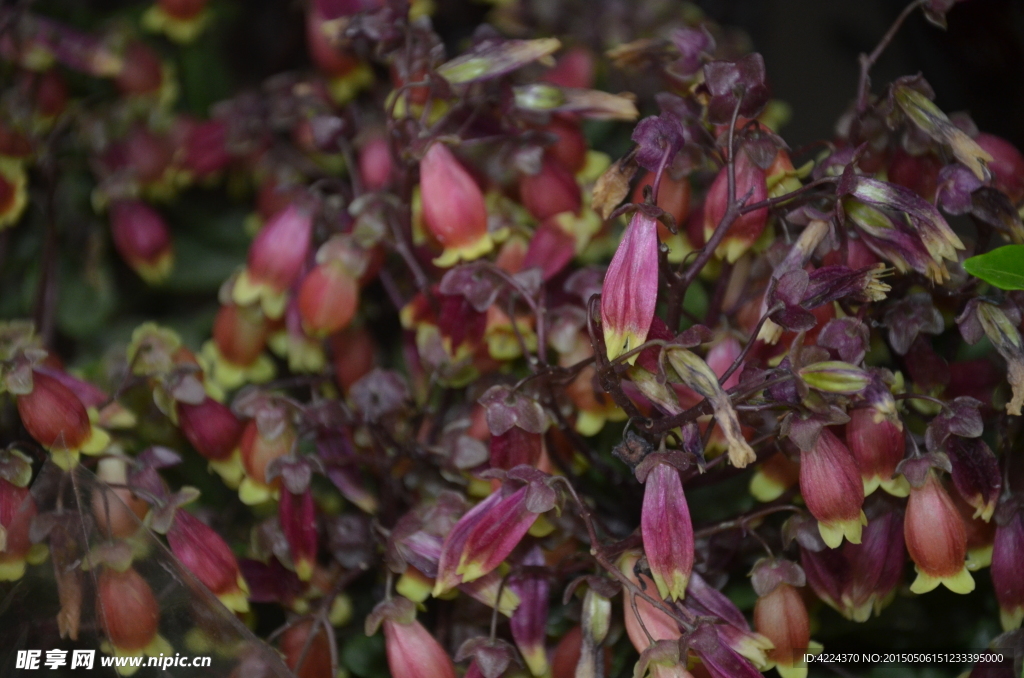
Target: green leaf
1002	267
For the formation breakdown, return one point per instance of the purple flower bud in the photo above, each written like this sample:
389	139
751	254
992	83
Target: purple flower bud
529	621
1007	555
667	531
878	445
630	289
298	522
831	486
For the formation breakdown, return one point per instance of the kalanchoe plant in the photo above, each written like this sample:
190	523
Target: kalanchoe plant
476	347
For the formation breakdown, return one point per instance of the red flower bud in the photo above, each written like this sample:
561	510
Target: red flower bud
629	292
1007	556
919	173
673	197
51	93
279	251
551	191
1007	165
335	60
53	415
375	164
257	453
453	207
240	334
575	68
17	509
209	558
667	531
353	353
142	72
658	623
551	248
781	616
205	147
126	608
936	539
878	445
297	515
142	238
327	299
831	486
514	447
570	149
210	427
413	653
307	657
747	228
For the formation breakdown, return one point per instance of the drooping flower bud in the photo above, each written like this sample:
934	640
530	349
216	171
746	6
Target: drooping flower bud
211	428
276	258
128	613
674	198
667	531
327	299
747	228
774	477
453	207
142	238
17	509
235	355
551	191
307	649
936	538
375	164
258	450
781	616
877	444
644	615
411	651
141	71
57	419
210	559
831	486
297	514
630	289
1007	556
529	621
352	353
570	148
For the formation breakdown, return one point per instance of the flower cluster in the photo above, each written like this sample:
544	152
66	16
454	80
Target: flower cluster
536	386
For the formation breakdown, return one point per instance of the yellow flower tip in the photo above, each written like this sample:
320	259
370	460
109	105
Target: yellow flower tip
97	442
897	487
252	493
833	533
344	88
304	569
589	423
871	484
536	661
467	252
236	601
797	670
770	332
985	512
414	585
12	172
731	249
469	570
979	557
157	272
1011	619
755	647
182	31
12	570
961	582
64	459
341	610
541	527
764	488
859	613
230	469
